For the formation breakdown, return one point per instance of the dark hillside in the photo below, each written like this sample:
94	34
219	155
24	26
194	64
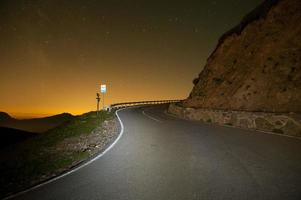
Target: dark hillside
4	116
37	125
11	136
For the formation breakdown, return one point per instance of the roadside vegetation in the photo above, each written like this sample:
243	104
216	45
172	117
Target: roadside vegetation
59	149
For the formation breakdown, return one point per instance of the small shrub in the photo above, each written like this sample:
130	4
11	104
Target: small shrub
195	81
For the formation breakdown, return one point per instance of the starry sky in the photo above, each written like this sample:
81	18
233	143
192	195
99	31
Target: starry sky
54	54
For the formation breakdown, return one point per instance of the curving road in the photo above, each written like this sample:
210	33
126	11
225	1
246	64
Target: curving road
162	157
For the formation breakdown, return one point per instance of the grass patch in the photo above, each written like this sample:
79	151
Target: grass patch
37	159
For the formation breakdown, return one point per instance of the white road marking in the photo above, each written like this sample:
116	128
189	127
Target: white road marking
77	168
157	120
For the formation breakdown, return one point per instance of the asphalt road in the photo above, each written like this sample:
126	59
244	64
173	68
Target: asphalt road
162	157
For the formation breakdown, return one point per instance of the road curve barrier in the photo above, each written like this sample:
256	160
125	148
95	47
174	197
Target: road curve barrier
139	103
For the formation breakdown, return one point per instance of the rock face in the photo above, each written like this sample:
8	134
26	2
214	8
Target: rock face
257	65
252	79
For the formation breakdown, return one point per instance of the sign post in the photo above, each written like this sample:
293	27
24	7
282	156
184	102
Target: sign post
103	90
98	99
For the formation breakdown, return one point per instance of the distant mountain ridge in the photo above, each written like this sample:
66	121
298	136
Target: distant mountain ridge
4	116
35	125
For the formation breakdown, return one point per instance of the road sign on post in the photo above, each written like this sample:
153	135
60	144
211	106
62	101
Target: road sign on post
103	90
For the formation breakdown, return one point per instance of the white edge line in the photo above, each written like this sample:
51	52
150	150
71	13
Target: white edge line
77	168
151	117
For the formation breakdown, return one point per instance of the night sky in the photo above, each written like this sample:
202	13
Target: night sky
54	54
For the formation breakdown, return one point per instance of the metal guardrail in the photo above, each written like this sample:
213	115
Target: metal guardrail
138	103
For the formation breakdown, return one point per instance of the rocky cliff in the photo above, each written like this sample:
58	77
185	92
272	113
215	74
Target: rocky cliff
256	66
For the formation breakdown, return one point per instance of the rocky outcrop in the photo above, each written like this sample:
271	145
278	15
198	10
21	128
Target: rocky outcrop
256	65
253	78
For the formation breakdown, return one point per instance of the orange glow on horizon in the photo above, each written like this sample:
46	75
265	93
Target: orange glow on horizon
40	98
54	56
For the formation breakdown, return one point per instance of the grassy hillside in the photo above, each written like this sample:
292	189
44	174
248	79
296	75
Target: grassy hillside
52	153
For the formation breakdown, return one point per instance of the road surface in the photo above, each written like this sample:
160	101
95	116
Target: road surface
162	157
